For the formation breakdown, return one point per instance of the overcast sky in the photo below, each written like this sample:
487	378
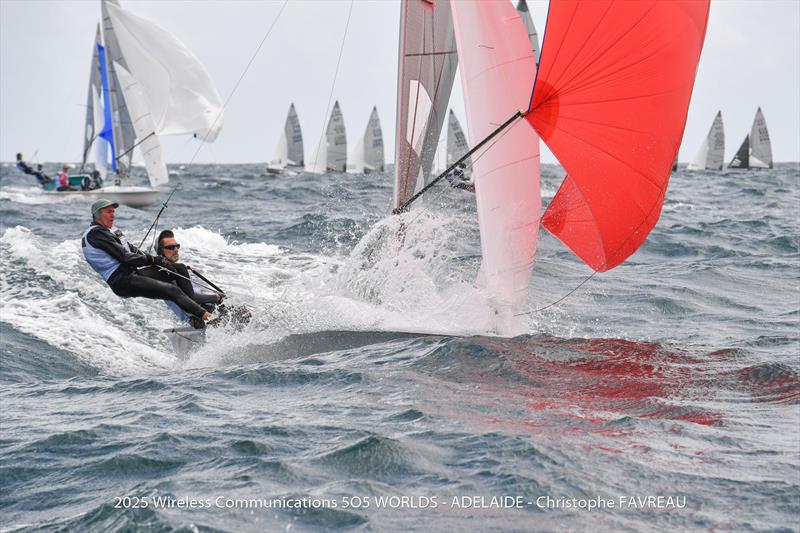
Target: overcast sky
751	58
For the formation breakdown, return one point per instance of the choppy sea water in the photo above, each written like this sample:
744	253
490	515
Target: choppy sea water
663	395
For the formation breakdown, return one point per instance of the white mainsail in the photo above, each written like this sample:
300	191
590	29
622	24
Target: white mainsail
123	135
427	62
525	14
710	155
331	154
457	144
760	145
756	149
289	151
367	154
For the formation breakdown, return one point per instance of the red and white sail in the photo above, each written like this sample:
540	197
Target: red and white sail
497	72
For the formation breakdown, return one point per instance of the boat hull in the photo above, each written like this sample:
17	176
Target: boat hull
130	196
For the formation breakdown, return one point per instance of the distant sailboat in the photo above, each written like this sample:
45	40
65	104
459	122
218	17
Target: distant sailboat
756	149
143	83
525	14
331	154
367	153
457	144
711	154
289	152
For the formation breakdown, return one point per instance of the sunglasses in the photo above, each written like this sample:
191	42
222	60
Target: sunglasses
171	247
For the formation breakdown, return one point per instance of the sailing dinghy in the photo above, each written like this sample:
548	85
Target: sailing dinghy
331	153
143	83
711	154
289	152
367	155
756	149
612	113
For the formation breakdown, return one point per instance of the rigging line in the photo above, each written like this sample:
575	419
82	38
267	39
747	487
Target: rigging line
236	86
333	84
463	158
134	146
163	206
581	284
471	164
173	273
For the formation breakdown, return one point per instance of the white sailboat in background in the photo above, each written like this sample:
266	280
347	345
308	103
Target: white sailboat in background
711	154
457	144
756	149
289	152
367	155
331	154
143	83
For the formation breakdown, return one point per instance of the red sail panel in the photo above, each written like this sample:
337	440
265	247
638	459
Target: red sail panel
610	101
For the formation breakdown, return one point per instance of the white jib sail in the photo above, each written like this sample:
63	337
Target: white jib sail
280	159
294	139
337	141
177	88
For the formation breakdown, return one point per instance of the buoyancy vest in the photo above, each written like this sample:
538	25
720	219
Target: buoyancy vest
100	260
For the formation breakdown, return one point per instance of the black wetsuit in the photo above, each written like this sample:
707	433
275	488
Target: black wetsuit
148	282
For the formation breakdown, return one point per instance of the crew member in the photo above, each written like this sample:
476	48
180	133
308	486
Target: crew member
63	180
169	248
41	177
236	315
457	181
127	270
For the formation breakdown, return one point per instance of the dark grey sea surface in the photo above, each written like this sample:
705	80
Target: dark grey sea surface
663	395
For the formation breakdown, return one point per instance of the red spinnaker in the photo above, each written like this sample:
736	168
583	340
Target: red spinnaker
610	100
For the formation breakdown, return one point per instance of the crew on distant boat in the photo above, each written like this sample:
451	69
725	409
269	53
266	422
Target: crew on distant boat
457	181
41	177
169	248
129	271
63	179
